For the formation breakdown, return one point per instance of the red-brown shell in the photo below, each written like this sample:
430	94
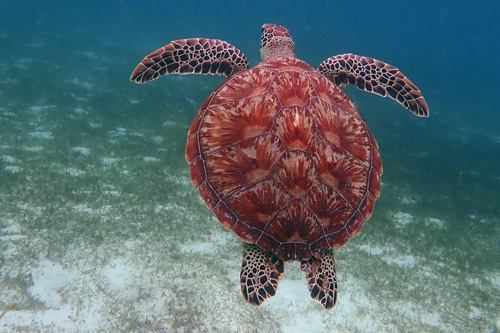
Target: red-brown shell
284	159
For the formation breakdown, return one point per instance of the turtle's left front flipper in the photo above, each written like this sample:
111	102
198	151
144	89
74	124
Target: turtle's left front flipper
191	56
377	77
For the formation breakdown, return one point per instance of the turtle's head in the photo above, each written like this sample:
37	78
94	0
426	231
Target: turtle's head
276	41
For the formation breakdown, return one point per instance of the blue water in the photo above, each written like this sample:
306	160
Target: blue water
100	227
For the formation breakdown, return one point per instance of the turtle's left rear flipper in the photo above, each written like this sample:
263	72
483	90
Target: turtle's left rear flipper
260	274
376	77
191	56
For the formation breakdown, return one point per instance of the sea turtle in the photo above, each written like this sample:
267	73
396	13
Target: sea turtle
281	155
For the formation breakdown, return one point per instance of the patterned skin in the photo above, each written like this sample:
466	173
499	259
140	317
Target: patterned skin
281	155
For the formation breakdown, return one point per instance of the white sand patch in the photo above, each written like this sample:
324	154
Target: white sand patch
118	132
37	211
90	55
401	260
293	297
402	219
94	124
434	223
150	159
475	313
169	207
49	281
79	110
59	319
80	83
221	238
118	275
431	318
157	139
376	251
83	208
154	305
82	150
197	248
34	149
300	313
417	313
13	169
10	227
408	201
12	238
170	123
113	193
37	109
74	172
109	160
42	135
8	159
494	278
474	281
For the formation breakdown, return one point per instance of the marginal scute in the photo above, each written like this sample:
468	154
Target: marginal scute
247	84
197	169
287	64
356	222
226	217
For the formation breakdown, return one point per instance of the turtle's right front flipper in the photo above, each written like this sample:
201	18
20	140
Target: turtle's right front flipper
191	56
376	77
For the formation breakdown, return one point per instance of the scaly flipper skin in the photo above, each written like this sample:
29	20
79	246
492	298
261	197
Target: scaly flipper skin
321	279
260	274
377	77
191	56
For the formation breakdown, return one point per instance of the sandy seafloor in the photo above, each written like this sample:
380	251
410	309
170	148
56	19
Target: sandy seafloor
101	229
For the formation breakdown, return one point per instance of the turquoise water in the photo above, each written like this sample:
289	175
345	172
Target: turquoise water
101	229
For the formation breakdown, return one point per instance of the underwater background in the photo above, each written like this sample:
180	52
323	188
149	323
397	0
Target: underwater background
101	229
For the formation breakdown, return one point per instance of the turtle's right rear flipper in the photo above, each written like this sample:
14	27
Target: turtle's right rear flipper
191	56
321	279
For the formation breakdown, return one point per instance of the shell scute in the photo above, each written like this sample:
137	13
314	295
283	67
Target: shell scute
235	167
292	88
256	205
296	127
232	122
